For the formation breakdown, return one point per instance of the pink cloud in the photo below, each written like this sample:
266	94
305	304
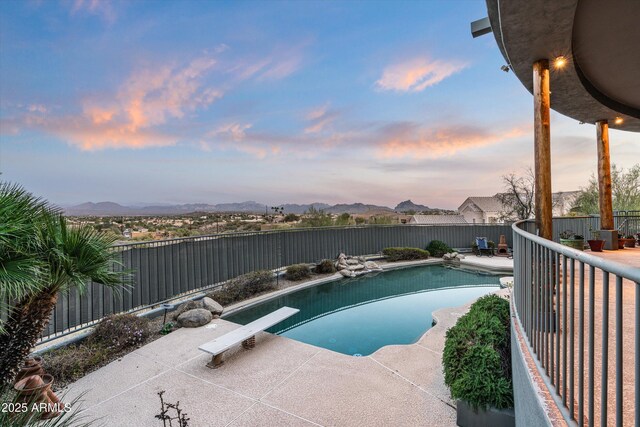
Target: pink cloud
319	118
405	139
417	74
148	98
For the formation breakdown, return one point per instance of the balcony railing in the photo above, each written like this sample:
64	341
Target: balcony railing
584	338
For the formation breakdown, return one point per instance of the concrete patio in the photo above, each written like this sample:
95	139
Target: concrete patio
281	382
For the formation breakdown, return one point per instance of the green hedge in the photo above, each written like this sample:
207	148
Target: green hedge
405	254
438	248
477	355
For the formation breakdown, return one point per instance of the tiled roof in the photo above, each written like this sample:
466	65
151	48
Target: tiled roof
438	219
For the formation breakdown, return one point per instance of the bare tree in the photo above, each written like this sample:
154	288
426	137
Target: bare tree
518	199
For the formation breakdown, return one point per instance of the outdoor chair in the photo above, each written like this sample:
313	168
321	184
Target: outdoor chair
483	246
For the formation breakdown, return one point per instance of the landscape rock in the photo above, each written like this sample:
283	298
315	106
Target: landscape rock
212	306
189	305
352	261
194	318
370	265
347	273
356	267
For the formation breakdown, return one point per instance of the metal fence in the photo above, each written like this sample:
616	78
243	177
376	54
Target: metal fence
564	306
166	269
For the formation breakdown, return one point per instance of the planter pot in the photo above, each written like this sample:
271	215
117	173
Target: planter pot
596	245
491	417
621	243
573	243
629	243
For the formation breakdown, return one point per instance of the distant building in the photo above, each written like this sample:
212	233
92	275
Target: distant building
438	219
563	202
481	210
488	209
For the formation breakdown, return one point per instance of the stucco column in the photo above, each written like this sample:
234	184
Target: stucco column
542	148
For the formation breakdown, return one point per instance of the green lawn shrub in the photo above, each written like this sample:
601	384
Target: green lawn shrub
298	272
438	248
245	286
405	254
477	355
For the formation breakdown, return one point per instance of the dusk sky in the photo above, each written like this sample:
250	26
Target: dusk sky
299	102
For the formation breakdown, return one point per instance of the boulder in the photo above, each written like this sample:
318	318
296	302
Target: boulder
370	265
347	273
356	267
352	261
194	318
189	305
212	306
460	256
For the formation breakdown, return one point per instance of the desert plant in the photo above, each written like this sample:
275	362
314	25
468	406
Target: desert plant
68	364
121	332
64	257
28	418
298	272
244	286
405	254
477	355
438	248
165	408
167	328
325	266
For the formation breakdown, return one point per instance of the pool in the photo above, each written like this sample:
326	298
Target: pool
358	316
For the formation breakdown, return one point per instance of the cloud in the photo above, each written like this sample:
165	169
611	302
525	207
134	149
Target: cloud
409	139
417	74
102	8
281	63
150	97
235	131
319	118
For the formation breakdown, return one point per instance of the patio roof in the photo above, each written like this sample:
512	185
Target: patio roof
600	42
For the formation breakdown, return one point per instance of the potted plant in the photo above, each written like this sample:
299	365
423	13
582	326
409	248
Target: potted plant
572	240
484	391
630	241
621	241
596	244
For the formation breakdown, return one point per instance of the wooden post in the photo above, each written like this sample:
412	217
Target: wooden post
542	144
604	176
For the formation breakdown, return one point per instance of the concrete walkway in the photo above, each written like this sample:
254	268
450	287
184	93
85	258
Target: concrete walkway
281	382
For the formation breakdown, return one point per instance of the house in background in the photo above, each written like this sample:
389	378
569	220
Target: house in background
437	219
563	202
481	210
488	210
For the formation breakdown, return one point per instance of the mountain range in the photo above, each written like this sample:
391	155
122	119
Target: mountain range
111	208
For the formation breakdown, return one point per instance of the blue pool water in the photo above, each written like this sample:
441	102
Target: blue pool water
359	316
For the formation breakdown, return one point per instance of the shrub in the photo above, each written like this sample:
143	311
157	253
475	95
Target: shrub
405	254
438	248
243	287
298	272
120	332
325	266
70	363
477	355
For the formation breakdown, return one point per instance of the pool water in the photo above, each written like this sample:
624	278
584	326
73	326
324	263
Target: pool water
358	316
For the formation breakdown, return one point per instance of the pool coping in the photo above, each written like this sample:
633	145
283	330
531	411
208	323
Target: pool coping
242	305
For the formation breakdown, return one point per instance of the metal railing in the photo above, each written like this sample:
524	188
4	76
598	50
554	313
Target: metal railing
563	304
168	269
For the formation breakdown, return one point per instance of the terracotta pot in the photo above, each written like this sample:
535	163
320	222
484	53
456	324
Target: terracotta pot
31	366
36	389
629	243
596	245
620	243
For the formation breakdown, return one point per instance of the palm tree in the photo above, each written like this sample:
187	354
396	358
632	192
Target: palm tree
57	257
19	269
